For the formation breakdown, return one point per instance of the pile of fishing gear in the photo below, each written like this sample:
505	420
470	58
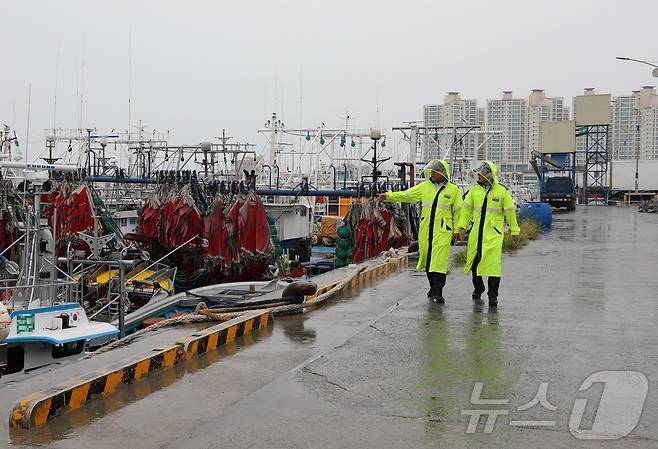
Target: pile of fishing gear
235	226
376	227
10	214
9	208
649	206
69	210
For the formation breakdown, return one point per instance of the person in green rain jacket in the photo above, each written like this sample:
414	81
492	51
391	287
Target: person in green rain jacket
486	206
441	202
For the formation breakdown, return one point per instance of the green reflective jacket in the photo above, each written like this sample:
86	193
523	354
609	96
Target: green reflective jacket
487	209
441	204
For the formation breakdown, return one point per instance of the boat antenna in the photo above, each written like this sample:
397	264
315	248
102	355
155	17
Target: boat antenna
27	136
377	122
56	83
129	78
27	131
276	88
82	84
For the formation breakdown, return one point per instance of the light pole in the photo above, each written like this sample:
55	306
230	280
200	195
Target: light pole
375	135
654	72
637	147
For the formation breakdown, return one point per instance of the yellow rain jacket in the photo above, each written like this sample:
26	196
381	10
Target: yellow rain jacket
487	209
441	204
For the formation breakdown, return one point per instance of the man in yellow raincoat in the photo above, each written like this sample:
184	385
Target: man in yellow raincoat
441	202
486	206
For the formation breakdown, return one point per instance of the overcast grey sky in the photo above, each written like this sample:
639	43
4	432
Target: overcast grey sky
199	66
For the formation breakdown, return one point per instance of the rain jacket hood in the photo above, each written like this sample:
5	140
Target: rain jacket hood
491	168
438	165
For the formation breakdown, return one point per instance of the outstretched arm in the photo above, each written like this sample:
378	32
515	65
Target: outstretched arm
411	195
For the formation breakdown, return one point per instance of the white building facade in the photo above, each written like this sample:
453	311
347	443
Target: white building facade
543	109
507	117
454	112
635	125
625	122
648	105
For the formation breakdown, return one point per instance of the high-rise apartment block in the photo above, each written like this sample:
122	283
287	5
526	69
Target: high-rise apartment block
514	124
454	112
507	118
543	109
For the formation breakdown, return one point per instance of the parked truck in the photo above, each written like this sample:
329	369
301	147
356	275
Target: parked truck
559	191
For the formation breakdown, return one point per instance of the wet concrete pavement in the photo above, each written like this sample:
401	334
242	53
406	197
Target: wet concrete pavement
383	368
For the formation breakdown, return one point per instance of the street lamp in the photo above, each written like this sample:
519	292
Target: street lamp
375	135
654	72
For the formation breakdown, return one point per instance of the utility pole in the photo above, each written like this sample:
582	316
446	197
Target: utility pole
637	151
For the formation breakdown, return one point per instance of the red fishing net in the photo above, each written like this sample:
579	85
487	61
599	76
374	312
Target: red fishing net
376	227
236	228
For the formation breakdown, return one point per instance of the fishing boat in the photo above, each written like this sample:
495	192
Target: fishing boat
45	326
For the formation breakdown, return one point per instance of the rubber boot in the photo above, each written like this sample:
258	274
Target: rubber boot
493	282
438	281
430	292
478	288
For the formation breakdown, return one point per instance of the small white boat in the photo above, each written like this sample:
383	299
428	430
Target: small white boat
46	335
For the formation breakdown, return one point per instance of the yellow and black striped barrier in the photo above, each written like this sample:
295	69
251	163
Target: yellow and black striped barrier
389	265
208	339
38	408
34	410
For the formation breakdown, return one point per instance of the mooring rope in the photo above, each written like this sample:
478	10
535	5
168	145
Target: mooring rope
202	314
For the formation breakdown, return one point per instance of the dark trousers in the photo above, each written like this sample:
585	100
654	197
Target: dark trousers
437	282
493	282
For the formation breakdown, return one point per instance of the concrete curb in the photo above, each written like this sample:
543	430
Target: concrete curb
390	265
208	339
38	408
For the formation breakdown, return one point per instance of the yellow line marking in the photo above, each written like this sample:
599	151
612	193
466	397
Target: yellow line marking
264	319
112	381
213	339
230	333
142	368
248	325
41	411
79	396
192	348
169	358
